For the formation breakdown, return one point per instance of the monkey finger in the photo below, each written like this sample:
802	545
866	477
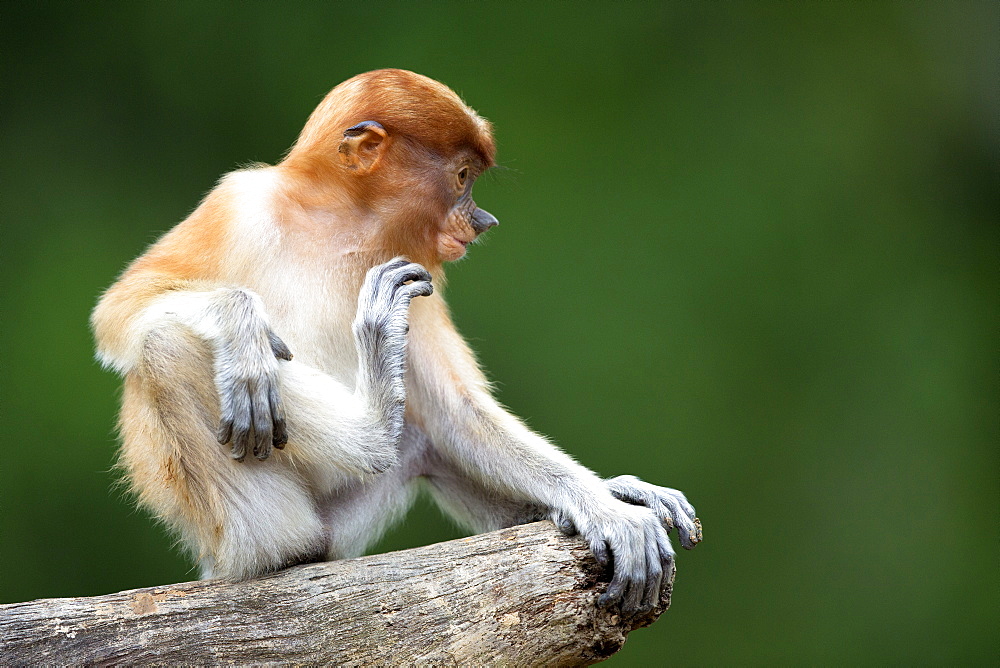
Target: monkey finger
225	432
634	593
409	272
664	514
678	497
263	446
599	548
564	524
241	417
689	535
687	507
419	270
280	434
238	446
375	272
666	554
638	577
393	264
625	490
416	289
615	591
376	277
262	431
654	571
670	511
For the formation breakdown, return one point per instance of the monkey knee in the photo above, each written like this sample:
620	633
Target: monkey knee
269	523
173	355
247	553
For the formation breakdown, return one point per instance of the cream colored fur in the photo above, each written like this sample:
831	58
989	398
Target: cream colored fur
298	257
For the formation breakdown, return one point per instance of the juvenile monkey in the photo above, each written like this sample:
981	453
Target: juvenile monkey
298	258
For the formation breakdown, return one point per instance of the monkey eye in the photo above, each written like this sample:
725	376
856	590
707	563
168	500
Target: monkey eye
463	176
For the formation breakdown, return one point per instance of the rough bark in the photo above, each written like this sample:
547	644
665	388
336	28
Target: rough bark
521	596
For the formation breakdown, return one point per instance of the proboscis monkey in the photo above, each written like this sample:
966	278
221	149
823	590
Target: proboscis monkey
260	460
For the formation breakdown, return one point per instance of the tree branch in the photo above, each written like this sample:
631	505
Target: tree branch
524	595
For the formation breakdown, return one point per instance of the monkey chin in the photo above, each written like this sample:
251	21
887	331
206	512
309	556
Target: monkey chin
451	248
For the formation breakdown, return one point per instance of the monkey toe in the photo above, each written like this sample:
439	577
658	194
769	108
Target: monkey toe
564	524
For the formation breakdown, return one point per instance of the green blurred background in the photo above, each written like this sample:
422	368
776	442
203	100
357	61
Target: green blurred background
747	250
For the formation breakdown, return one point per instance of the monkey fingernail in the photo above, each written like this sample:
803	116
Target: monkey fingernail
280	436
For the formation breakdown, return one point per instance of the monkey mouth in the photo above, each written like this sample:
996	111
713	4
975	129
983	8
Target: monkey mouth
465	244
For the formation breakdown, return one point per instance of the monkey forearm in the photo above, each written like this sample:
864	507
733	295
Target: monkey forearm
380	328
232	323
137	306
495	448
549	477
451	400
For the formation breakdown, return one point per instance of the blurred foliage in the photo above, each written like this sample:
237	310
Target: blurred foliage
747	249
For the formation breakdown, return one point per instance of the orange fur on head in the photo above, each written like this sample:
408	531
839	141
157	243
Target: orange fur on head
427	126
407	105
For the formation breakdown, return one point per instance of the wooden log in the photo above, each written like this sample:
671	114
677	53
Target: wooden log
520	596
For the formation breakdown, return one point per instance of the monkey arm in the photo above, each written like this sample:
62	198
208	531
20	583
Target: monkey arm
117	320
380	328
232	321
450	400
332	430
376	407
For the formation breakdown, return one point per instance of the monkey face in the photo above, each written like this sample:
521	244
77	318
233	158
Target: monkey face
464	221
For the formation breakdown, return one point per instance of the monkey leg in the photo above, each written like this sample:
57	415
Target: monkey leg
380	327
357	513
238	519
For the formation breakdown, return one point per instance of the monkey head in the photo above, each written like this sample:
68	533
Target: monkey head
402	152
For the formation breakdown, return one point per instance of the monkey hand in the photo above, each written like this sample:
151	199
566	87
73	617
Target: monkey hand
668	504
386	294
634	542
380	329
252	417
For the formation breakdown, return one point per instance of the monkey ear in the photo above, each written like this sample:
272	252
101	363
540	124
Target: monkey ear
363	146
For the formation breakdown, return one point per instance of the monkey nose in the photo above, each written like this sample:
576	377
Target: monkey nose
483	220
